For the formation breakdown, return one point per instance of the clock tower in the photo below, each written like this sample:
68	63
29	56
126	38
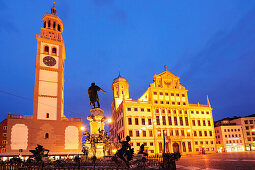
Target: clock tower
49	76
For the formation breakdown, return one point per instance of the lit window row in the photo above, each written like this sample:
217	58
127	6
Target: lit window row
249	127
167	102
204	142
199	122
140	109
231	130
233	141
169	111
248	133
207	149
197	112
140	133
202	133
249	138
249	121
167	94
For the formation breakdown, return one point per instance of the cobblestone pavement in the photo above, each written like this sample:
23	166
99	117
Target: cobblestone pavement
228	161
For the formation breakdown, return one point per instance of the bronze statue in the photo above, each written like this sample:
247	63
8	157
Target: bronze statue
142	150
93	97
125	151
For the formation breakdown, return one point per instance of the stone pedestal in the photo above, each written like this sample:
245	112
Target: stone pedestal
96	120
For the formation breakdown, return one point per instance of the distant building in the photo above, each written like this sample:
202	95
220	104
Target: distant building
247	127
164	107
3	136
229	138
48	126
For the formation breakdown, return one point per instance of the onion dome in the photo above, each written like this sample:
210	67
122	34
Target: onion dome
119	79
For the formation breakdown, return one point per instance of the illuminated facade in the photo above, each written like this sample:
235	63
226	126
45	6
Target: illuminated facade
164	107
48	126
229	138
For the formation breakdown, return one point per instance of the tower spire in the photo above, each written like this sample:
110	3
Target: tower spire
208	102
53	9
119	73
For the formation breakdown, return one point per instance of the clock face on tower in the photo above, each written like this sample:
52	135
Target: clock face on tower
49	61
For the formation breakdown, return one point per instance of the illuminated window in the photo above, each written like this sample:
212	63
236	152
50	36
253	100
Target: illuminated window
167	102
193	122
247	127
184	103
166	94
137	144
130	133
179	103
173	103
148	110
157	119
174	111
177	94
136	109
137	133
201	142
172	94
160	93
200	133
205	132
180	112
204	123
181	121
160	147
145	143
203	112
175	121
196	142
182	132
136	121
197	112
186	121
129	109
161	102
195	133
144	133
176	132
143	121
151	143
209	123
47	115
130	121
197	149
169	120
159	132
210	132
192	112
157	111
207	113
198	123
163	110
150	133
155	93
149	122
142	109
164	120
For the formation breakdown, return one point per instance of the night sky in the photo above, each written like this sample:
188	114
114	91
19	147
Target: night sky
209	44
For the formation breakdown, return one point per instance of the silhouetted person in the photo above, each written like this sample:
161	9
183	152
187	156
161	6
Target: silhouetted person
93	97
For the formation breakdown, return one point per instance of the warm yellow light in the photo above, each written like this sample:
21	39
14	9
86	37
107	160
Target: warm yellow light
109	120
82	128
188	130
253	130
114	151
203	146
143	128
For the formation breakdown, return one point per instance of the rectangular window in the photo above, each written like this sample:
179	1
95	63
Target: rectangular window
144	133
195	133
149	121
198	123
160	147
142	109
207	113
193	122
160	93
169	120
251	121
204	123
130	133
151	143
136	121
150	133
161	102
186	121
175	121
203	112
197	112
155	93
159	132
182	131
171	132
164	120
145	143
181	121
177	94
4	134
196	143
172	94
205	132
179	103
210	132
192	112
130	121
176	132
200	133
183	95
129	109
137	133
137	144
148	110
143	121
5	127
209	123
157	119
136	109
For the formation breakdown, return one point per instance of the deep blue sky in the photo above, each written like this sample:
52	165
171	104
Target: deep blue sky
209	44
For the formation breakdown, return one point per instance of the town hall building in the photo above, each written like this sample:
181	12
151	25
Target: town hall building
163	108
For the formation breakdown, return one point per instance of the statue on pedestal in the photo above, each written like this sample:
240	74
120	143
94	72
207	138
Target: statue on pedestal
93	96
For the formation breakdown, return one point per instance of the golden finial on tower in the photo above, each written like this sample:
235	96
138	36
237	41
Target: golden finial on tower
119	73
54	3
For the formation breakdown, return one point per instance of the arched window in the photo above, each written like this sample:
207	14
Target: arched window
44	24
183	147
54	25
49	23
189	146
46	49
46	135
47	115
54	50
59	28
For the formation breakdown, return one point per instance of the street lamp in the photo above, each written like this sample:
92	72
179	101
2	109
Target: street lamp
109	120
82	128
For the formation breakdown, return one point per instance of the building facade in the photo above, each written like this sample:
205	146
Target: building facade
3	136
163	108
229	138
48	126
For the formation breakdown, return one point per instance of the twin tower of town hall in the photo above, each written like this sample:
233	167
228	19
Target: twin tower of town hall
163	108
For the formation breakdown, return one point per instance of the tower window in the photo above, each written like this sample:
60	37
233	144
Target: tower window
46	49
44	24
54	25
59	28
47	115
54	50
46	135
48	24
